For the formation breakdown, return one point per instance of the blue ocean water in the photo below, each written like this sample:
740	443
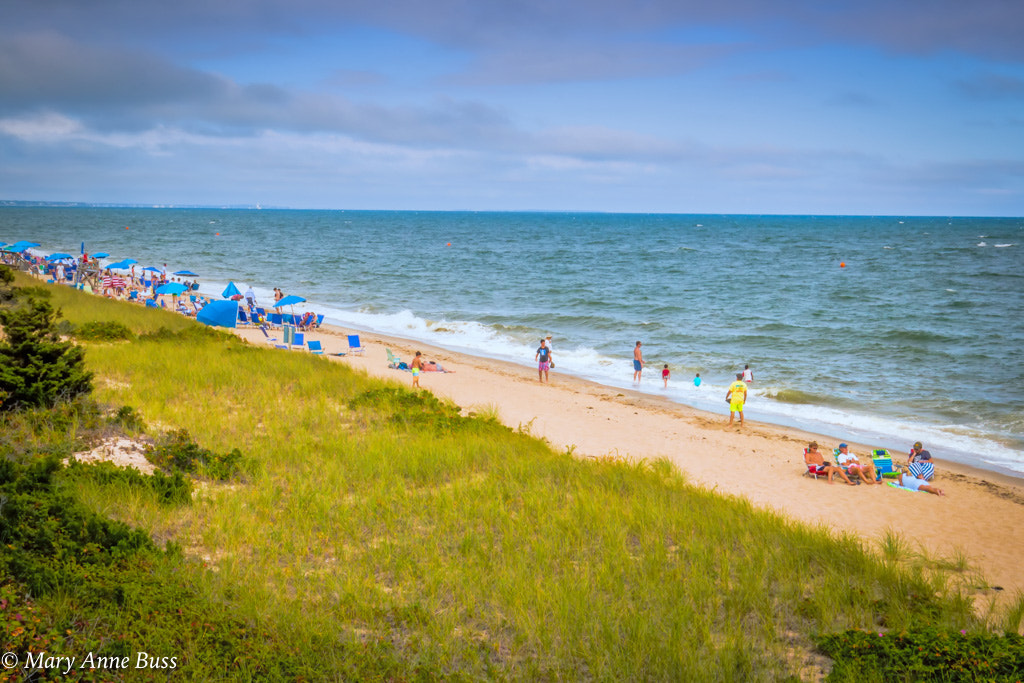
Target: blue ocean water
920	336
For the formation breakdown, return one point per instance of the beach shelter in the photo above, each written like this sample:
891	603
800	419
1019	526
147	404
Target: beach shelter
230	291
219	314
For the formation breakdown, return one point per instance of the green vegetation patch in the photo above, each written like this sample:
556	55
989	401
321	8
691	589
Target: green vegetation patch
176	452
923	654
106	331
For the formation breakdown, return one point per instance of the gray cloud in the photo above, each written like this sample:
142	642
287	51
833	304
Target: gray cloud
992	86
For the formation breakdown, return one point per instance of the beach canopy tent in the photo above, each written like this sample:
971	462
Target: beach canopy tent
102	254
186	273
230	291
219	314
172	288
58	256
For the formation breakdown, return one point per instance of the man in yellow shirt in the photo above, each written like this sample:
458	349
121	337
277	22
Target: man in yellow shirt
736	397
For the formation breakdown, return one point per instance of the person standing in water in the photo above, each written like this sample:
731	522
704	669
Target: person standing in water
638	363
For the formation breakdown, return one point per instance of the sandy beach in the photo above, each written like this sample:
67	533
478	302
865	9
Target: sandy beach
980	516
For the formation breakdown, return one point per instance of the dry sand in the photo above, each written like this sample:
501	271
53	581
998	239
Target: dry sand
981	515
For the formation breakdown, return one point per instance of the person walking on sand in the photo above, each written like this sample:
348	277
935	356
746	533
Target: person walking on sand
543	360
416	367
748	374
736	397
665	374
638	363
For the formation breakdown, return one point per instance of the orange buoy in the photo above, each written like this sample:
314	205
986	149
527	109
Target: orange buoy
842	264
449	244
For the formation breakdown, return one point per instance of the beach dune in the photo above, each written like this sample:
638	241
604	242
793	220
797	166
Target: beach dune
980	517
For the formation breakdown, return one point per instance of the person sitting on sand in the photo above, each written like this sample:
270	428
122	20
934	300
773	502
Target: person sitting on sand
308	321
919	462
853	465
813	458
914	484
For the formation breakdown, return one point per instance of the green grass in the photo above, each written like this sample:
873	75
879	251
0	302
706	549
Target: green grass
381	535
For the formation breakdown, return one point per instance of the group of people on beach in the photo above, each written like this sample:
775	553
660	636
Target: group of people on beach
916	479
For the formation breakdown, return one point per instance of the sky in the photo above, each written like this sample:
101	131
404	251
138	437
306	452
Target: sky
867	107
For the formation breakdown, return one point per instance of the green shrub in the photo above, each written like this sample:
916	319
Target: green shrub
37	369
103	331
173	489
129	418
925	654
46	532
420	410
177	452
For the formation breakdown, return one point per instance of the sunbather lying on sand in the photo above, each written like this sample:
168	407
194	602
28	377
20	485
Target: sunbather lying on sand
914	484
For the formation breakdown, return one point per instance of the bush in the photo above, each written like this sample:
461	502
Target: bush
37	369
129	418
103	331
926	654
47	533
177	452
173	489
421	410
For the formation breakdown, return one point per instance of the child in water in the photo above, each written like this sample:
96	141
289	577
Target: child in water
665	375
696	380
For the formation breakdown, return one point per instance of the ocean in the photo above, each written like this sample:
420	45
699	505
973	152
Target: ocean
883	330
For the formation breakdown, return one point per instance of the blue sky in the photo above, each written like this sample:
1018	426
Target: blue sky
742	106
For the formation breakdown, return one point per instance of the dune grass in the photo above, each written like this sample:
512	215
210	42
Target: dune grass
384	535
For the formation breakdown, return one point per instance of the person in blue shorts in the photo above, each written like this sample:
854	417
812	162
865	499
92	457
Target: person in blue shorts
638	363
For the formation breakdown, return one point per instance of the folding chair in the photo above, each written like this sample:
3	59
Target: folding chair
883	464
299	340
354	346
315	347
270	340
393	360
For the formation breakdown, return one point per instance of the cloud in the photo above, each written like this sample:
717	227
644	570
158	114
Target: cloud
992	86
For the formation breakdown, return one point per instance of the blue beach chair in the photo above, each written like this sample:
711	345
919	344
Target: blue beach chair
315	347
354	346
884	467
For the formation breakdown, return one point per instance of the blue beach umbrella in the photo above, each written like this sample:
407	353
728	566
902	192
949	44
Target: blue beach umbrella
21	246
120	265
101	254
289	300
187	273
152	269
57	256
230	291
172	288
219	314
